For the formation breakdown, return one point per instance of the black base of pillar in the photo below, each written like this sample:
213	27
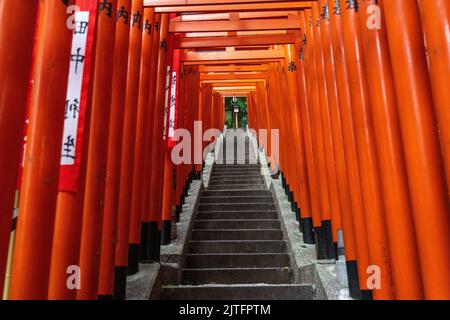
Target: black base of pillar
144	242
178	213
182	196
153	241
198	176
366	295
120	283
320	244
287	191
353	280
297	212
291	198
133	259
158	248
327	230
300	225
336	250
283	181
294	207
308	233
166	232
105	297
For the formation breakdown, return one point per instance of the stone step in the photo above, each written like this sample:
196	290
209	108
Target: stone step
238	246
236	206
237	215
232	193
235	260
237	276
237	199
236	224
237	176
237	187
244	181
237	167
237	234
252	292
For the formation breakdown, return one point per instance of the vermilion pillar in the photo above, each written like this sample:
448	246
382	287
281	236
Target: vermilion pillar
338	146
16	47
168	176
394	183
325	213
128	143
421	146
332	223
97	149
356	269
292	68
147	238
304	114
143	121
436	24
367	154
69	209
31	263
119	77
156	193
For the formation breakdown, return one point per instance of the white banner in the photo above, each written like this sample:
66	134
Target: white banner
74	86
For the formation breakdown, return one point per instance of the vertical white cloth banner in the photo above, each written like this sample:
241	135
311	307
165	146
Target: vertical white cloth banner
173	102
73	97
166	101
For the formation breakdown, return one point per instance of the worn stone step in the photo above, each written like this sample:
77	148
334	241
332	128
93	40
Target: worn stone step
253	292
241	180
237	260
236	176
232	193
236	206
233	215
237	199
237	276
219	167
237	234
238	246
237	187
236	224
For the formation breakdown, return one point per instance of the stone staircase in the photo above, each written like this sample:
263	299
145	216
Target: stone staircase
237	250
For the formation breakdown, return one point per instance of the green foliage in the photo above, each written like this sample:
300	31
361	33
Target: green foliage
241	103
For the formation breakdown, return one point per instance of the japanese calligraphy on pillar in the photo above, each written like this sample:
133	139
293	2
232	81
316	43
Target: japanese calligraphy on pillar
76	99
173	102
166	101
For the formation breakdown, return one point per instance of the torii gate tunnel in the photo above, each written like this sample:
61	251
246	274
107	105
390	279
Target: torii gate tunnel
107	106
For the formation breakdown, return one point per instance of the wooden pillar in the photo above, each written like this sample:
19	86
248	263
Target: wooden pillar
304	115
156	194
332	223
355	269
119	77
143	121
31	263
128	143
346	219
93	209
168	176
325	213
292	75
421	146
16	47
436	22
367	153
394	183
147	240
